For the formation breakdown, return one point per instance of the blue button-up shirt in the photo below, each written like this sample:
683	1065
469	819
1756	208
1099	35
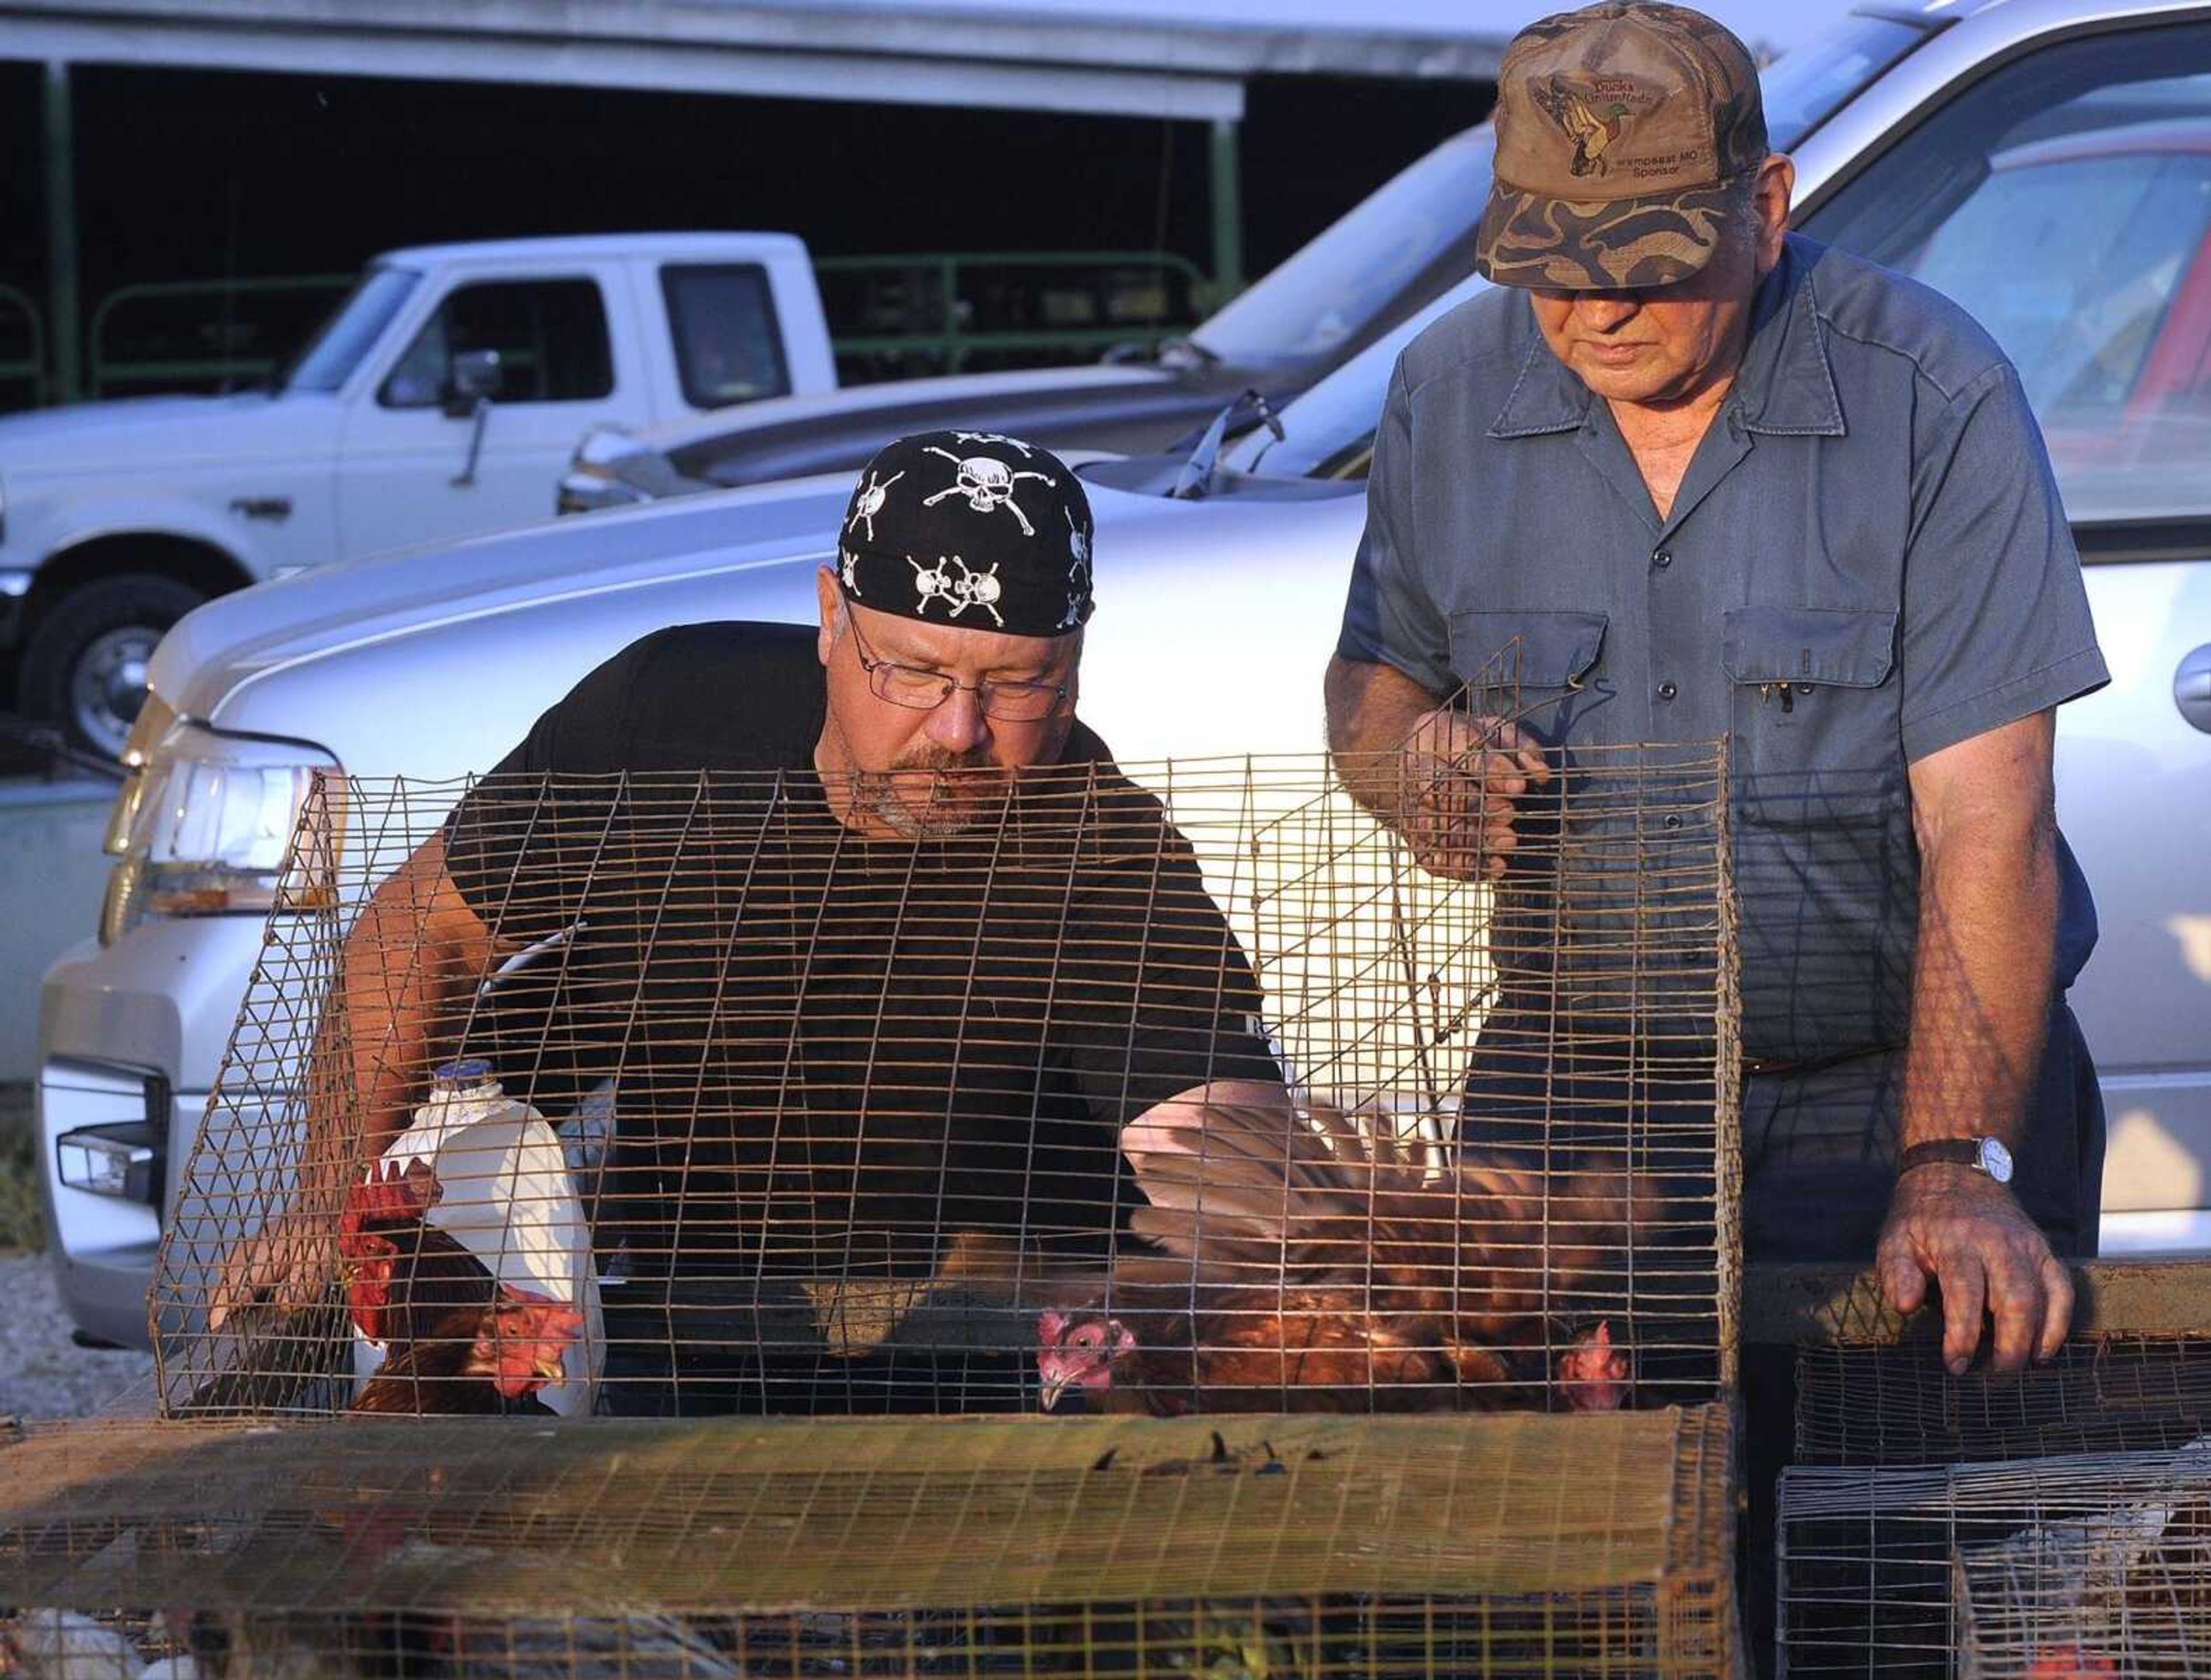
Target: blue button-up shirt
1867	561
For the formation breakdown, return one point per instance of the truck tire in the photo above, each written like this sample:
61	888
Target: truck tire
84	668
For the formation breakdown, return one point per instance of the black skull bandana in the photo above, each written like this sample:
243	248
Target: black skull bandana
972	529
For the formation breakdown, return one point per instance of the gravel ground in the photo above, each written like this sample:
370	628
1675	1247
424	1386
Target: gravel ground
42	1372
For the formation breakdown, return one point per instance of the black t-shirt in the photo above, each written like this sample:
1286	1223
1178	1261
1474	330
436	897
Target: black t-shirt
832	1053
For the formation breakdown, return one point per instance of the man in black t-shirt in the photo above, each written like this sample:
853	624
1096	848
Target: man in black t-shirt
875	948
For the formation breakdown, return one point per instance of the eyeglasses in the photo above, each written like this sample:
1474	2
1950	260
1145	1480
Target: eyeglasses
919	690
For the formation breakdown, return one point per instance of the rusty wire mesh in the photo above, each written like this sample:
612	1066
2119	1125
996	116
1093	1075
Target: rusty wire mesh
1871	1590
1868	1543
791	1120
2110	1576
1897	1404
1274	1547
2067	1568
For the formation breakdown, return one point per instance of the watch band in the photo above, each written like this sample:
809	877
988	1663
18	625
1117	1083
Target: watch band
1983	1154
1959	1151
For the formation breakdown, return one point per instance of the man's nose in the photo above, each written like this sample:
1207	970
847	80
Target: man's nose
959	724
1605	311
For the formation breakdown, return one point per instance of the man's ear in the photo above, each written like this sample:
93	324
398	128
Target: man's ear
1776	190
831	599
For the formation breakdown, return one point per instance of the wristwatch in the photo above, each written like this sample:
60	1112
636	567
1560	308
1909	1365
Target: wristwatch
1983	1155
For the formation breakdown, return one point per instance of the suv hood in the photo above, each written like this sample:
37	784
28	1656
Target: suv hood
139	431
235	639
745	419
1123	410
436	664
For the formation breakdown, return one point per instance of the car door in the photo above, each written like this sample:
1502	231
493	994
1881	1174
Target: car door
2065	199
421	461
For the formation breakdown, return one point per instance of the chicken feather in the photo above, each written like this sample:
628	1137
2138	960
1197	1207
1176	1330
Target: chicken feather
1326	1266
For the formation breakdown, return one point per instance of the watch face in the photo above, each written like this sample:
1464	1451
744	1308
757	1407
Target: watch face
1996	1160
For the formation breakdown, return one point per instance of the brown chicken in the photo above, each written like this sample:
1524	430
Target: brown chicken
460	1341
1313	1268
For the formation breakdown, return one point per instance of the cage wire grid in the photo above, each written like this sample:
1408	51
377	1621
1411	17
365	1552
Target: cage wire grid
1872	1589
1513	1545
788	1119
1896	1405
2075	1566
1166	1088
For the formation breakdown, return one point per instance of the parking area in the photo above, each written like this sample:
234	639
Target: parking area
44	1372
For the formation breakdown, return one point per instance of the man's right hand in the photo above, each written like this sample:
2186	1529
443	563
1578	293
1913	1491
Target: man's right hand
1460	779
288	1264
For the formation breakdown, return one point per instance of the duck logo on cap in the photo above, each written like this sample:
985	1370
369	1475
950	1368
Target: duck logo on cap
1004	543
1586	117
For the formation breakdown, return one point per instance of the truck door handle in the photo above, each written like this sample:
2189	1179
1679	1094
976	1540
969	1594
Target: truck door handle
2192	688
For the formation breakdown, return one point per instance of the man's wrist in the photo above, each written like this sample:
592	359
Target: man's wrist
1983	1155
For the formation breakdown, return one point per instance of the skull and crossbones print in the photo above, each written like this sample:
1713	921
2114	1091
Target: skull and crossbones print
870	503
1078	570
1000	438
970	589
987	483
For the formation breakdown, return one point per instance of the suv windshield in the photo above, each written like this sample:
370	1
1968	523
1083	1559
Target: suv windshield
1342	281
1330	428
352	327
1808	84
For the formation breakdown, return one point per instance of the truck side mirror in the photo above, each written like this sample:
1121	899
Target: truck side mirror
474	379
469	392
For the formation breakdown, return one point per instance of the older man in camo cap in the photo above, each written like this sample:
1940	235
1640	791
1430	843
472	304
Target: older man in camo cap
1706	479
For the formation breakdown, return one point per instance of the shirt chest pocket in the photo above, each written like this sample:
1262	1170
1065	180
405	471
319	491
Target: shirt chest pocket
1825	871
1813	711
1537	657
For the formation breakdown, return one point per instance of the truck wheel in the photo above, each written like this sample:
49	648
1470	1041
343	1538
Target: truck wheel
84	669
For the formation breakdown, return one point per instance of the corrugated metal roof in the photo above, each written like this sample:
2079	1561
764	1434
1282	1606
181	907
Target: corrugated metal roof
1033	59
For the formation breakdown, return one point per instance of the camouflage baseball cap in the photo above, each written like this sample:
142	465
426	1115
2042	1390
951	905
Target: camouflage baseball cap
1618	127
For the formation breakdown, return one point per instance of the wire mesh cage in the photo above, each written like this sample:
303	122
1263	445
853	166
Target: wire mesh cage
1269	1547
2059	1568
2110	1576
1897	1404
1868	1543
1182	1087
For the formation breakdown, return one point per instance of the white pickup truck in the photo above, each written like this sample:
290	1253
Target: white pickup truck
439	400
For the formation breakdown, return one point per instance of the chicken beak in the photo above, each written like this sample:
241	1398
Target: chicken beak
1053	1388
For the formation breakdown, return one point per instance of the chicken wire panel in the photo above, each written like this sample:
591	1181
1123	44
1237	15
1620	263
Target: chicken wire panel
1502	1546
2069	1567
1180	1087
2110	1574
2101	1393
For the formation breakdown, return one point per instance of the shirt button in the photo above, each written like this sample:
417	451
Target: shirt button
1667	691
1662	559
1673	821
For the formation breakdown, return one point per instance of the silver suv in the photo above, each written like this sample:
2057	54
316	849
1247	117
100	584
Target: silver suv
2047	161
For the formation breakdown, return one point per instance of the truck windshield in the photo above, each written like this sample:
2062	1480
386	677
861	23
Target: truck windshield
343	340
1330	427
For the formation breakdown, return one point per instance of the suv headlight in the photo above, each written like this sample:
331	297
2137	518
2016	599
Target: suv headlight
205	824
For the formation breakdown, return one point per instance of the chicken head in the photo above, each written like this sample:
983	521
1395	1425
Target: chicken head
1079	1351
386	1197
524	1337
1594	1375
